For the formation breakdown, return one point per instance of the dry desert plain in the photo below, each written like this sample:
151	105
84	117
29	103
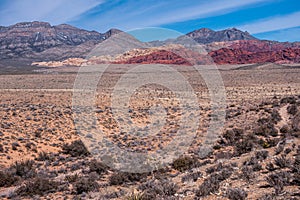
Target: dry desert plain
257	155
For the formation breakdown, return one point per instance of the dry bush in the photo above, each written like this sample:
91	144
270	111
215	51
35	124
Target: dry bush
7	178
98	167
282	161
236	194
75	149
24	169
162	189
278	181
212	183
43	156
86	184
37	186
292	109
184	163
120	178
192	176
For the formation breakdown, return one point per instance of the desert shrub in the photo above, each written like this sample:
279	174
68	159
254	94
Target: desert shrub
158	188
295	168
24	169
284	129
212	183
270	166
261	155
85	184
278	181
219	167
292	109
72	178
275	117
266	129
253	161
233	135
245	145
236	194
96	166
1	148
75	149
7	178
247	173
37	186
135	196
184	163
43	156
290	100
120	178
282	161
192	176
296	122
267	197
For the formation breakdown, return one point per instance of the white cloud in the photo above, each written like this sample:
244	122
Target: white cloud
273	24
212	8
54	11
151	13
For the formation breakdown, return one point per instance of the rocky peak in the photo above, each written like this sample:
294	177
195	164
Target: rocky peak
206	35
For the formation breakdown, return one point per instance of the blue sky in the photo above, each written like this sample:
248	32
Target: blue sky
265	19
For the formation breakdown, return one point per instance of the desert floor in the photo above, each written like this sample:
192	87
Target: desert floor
257	154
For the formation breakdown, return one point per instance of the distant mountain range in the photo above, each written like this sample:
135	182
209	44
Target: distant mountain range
39	41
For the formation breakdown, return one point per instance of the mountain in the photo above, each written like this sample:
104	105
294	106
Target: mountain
206	35
41	41
43	44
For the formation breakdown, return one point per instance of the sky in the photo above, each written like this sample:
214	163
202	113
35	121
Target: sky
265	19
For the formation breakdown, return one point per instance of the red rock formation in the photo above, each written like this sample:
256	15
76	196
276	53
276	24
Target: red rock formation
240	56
158	57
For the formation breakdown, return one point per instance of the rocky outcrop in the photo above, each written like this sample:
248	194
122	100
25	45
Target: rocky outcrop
206	35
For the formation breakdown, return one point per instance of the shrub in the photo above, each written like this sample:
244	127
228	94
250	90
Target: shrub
212	183
75	149
184	163
193	176
292	109
37	186
261	155
96	166
278	181
1	148
253	161
245	145
85	184
282	161
120	178
72	178
290	100
247	173
43	156
24	169
136	196
158	188
7	178
236	194
233	135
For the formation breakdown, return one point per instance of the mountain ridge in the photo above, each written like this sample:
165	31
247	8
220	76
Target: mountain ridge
40	41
